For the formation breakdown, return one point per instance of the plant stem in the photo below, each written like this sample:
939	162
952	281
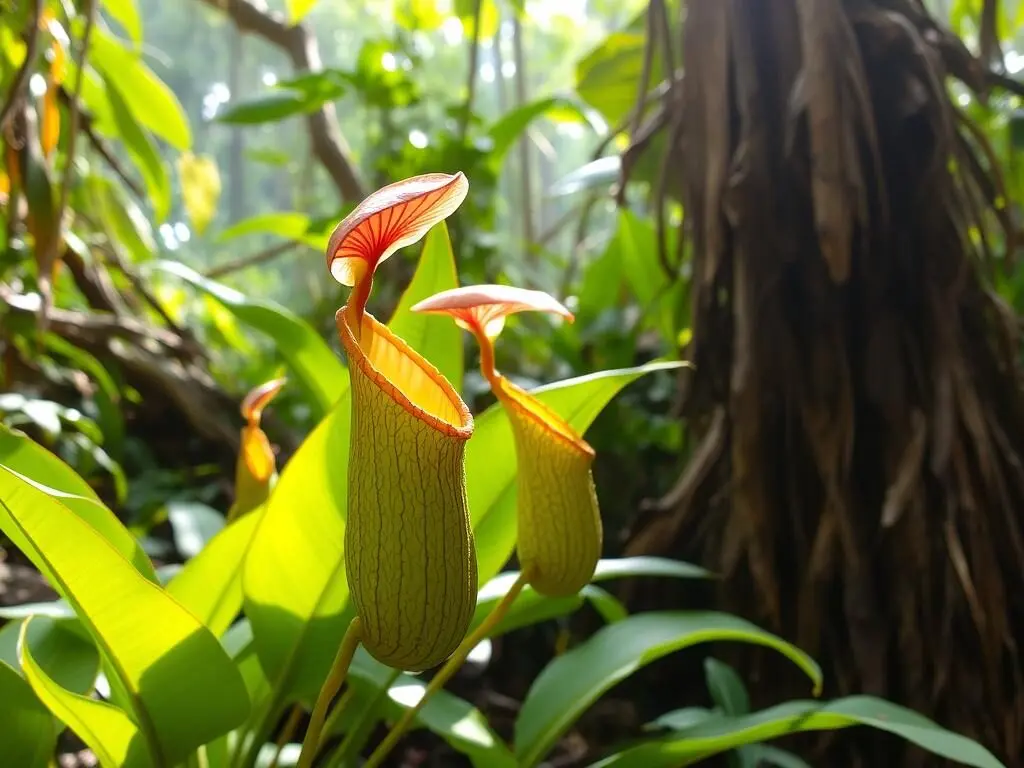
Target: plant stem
286	733
472	640
360	730
331	686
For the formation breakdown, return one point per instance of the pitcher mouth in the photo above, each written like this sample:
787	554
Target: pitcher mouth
405	376
525	403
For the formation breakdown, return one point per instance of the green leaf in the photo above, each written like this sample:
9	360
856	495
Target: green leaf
210	585
105	729
532	608
200	188
763	755
724	733
575	680
294	582
607	78
62	647
127	15
142	152
317	367
148	97
27	729
453	719
290	225
597	174
435	337
28	458
726	688
181	684
505	131
123	218
297	9
657	294
193	524
300	96
491	457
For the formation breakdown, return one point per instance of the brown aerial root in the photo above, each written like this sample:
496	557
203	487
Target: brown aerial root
857	410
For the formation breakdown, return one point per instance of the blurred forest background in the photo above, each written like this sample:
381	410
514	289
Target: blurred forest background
215	145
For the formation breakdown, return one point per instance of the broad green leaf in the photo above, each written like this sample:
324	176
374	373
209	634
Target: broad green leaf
106	730
193	524
298	96
126	14
764	756
453	719
287	224
316	366
531	607
150	100
179	680
435	337
726	688
657	295
597	174
200	188
607	78
210	584
142	151
293	579
491	457
297	9
681	718
62	647
572	682
723	733
505	131
27	729
123	218
28	458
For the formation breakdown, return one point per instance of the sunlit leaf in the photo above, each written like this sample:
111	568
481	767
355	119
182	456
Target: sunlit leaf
317	368
150	100
722	733
573	681
297	9
608	76
176	675
142	151
286	224
210	584
107	730
505	131
491	459
200	188
126	14
27	457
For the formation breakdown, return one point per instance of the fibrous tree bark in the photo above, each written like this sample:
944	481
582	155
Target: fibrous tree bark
857	399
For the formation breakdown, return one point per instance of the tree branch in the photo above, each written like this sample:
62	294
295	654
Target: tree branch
301	46
21	78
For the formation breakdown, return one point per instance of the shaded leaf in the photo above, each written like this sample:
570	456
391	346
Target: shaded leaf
572	682
27	729
142	151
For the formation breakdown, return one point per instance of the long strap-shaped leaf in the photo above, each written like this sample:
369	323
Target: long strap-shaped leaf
182	687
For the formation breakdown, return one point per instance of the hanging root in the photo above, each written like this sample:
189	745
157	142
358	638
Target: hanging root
857	396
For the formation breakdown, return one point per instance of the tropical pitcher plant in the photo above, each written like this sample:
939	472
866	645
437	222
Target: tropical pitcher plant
410	557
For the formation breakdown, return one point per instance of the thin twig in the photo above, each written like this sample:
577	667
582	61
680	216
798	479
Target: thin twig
260	257
21	78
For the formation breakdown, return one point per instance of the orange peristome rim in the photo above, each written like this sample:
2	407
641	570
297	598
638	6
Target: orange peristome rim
391	218
358	358
482	304
528	405
259	398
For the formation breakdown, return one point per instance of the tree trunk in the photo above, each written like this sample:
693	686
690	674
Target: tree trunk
857	395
